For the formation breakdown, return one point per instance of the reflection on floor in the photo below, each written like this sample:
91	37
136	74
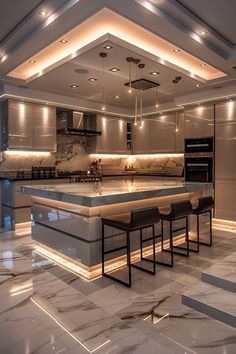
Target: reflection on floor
45	309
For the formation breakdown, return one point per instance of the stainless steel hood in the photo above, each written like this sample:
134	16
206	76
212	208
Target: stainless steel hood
77	123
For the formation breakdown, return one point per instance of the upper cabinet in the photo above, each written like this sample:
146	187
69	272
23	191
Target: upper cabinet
44	128
115	138
199	121
28	126
20	125
160	134
141	137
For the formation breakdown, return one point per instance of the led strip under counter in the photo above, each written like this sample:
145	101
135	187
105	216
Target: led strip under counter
117	156
92	273
26	153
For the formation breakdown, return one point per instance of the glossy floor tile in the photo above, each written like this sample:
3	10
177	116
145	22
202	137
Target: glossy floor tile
46	309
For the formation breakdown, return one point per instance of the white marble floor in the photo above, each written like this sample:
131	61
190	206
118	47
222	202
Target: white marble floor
46	309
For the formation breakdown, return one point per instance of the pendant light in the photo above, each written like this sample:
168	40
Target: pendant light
176	82
136	111
130	61
103	56
141	66
157	96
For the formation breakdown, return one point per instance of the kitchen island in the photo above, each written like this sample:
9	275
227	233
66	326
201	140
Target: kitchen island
67	217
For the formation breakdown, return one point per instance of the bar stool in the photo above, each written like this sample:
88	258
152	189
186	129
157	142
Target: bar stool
178	210
136	220
205	205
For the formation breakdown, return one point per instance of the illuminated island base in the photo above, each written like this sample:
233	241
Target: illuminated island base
67	217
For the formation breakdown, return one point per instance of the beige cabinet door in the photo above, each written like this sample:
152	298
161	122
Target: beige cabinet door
141	138
104	142
20	125
44	128
163	133
199	121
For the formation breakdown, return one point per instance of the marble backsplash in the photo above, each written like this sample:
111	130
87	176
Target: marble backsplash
72	155
171	164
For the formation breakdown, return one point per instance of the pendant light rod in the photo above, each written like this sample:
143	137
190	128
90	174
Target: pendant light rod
103	56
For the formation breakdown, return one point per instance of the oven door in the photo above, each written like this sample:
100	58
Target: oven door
198	169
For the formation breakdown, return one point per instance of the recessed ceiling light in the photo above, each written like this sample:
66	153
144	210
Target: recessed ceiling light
43	13
203	64
203	33
176	50
74	86
32	61
92	79
116	97
63	41
108	47
197	85
154	73
114	70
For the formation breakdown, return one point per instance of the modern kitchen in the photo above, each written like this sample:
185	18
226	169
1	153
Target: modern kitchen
117	177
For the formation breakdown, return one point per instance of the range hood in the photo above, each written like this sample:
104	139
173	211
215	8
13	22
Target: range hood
77	123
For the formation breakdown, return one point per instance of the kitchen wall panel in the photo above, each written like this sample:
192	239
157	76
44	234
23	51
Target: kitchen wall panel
225	154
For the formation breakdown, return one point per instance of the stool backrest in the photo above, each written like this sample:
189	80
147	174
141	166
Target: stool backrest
145	216
181	209
205	204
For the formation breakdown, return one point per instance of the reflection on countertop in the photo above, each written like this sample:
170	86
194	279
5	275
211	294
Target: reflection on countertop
112	191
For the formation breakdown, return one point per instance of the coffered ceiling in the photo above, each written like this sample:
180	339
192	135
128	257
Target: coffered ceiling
175	38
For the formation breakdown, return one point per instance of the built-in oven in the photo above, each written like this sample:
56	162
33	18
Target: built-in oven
199	169
199	145
199	162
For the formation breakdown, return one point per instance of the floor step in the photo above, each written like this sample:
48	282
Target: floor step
212	301
222	274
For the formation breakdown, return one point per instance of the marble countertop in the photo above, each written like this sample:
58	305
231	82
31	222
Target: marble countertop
112	191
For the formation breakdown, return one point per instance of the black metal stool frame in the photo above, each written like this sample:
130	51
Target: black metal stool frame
127	247
198	242
172	247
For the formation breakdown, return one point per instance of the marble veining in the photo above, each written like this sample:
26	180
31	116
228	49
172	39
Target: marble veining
46	309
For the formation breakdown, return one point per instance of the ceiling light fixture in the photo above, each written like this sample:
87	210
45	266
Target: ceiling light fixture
116	97
154	73
92	79
114	70
203	33
177	50
108	47
63	41
197	85
43	13
203	64
32	61
74	86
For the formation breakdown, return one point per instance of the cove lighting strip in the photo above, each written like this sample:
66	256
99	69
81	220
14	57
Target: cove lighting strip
116	156
27	153
107	22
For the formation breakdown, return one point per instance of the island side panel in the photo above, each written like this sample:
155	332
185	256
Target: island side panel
75	230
